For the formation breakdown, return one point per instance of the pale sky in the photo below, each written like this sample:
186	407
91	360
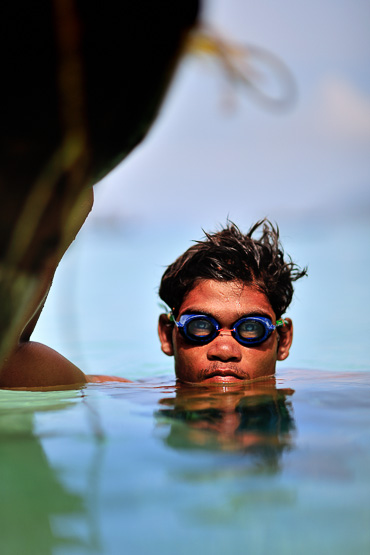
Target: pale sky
214	153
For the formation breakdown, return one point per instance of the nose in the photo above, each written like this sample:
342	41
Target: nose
225	348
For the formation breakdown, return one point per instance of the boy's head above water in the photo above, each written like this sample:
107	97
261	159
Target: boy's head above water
227	296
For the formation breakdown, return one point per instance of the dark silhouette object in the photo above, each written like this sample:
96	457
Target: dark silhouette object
82	81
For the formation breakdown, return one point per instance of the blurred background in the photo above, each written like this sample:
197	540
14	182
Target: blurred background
217	152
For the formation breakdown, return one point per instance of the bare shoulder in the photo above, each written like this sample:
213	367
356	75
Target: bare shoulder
36	365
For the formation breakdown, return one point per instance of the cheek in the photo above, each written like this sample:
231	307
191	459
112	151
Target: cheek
261	354
265	361
191	356
189	361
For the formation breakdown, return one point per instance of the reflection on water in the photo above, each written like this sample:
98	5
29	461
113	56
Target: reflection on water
31	495
198	469
38	512
256	419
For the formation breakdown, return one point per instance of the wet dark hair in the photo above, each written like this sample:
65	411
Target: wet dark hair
229	255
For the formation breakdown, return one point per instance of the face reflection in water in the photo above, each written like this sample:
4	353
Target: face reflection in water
224	360
253	418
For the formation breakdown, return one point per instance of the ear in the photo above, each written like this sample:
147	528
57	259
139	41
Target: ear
285	339
165	328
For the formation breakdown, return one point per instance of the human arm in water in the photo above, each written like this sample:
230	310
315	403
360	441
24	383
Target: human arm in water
32	364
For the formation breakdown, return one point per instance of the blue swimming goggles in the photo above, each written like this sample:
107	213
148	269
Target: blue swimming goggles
201	328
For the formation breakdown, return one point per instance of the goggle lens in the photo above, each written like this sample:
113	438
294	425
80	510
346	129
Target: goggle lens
201	328
251	330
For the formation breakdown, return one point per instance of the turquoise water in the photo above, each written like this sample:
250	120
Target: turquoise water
145	468
151	468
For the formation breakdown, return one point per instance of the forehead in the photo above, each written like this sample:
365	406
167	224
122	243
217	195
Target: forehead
226	300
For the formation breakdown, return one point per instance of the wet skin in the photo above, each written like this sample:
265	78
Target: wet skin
224	360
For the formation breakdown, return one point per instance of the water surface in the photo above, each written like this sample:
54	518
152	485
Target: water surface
148	467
